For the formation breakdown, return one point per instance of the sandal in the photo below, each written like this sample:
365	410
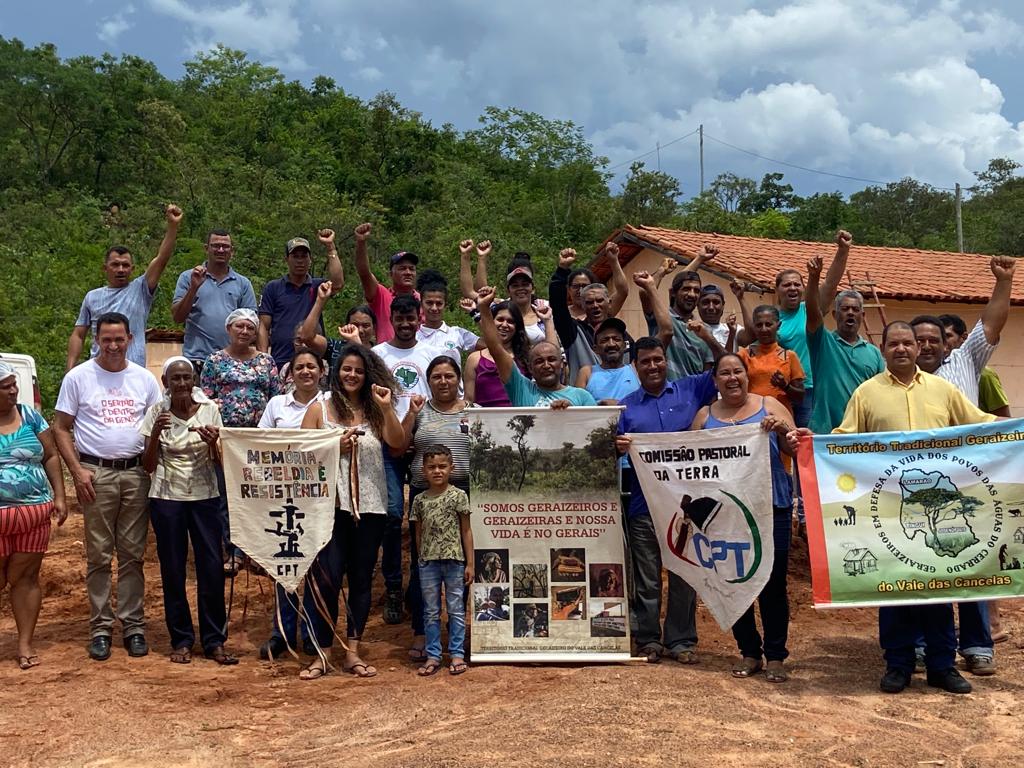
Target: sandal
651	653
317	668
367	670
775	672
432	667
233	565
685	657
747	667
457	667
27	662
1000	637
418	655
181	656
221	656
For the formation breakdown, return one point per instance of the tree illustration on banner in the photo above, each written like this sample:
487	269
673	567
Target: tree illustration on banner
519	426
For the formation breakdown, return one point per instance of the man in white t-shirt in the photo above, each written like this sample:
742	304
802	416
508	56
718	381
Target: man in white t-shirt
711	307
104	401
407	358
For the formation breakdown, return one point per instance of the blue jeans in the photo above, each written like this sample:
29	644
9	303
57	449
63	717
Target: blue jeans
451	573
391	554
975	633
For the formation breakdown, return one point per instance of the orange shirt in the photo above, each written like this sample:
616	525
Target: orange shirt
763	361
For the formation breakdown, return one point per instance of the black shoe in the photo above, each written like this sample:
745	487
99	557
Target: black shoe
894	680
948	680
99	648
393	607
273	648
136	645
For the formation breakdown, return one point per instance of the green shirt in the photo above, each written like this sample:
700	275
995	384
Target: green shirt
793	335
438	517
991	396
841	368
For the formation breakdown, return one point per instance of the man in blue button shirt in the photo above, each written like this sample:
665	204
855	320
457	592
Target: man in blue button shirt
287	301
205	295
659	406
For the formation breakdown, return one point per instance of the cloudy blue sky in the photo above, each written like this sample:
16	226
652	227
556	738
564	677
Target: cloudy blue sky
877	89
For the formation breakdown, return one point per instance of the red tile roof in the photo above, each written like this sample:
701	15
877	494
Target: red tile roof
898	273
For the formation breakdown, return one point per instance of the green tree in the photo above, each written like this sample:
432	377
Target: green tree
731	191
648	197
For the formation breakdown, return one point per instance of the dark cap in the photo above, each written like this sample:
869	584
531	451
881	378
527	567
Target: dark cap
711	288
294	243
613	323
404	256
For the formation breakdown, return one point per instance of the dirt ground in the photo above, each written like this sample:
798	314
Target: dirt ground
72	711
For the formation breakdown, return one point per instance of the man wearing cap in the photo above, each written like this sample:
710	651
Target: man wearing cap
131	298
287	300
379	297
577	336
205	295
104	401
711	307
612	379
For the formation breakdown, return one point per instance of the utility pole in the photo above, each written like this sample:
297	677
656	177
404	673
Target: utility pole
959	221
701	131
658	147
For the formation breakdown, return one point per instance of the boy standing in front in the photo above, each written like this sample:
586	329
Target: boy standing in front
445	543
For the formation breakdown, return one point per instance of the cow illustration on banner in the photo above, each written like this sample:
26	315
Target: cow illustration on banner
915	517
281	489
550	557
710	497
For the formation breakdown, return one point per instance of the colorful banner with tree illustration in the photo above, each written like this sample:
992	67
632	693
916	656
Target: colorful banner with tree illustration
710	496
915	517
549	562
281	487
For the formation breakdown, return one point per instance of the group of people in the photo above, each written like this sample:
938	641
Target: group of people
397	380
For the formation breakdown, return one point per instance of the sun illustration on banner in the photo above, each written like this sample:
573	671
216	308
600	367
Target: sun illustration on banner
846	483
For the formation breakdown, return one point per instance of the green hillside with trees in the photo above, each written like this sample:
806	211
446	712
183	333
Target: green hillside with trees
238	146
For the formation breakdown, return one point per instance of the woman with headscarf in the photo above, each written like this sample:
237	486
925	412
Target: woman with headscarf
181	454
361	407
31	491
240	380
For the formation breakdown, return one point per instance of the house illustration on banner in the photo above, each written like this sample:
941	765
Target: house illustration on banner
1018	536
859	561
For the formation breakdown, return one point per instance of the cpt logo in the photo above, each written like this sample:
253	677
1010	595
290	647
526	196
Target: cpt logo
723	533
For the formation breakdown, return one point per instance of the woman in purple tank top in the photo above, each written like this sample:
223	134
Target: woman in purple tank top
480	378
739	406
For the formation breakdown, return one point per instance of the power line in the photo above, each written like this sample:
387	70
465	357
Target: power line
653	151
803	168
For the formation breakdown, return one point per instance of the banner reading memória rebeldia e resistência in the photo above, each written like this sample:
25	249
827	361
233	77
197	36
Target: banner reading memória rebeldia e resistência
710	497
550	580
915	517
281	489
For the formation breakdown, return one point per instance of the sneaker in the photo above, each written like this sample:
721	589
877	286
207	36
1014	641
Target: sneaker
894	680
982	666
393	607
948	680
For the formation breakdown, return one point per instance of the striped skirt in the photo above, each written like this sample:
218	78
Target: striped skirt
25	528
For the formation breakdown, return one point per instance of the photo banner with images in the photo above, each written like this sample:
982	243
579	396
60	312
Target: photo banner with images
933	516
710	497
549	564
281	488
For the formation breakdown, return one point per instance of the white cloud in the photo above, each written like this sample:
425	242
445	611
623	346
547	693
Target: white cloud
114	26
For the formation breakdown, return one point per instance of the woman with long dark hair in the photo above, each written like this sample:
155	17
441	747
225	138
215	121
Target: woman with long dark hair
361	407
480	378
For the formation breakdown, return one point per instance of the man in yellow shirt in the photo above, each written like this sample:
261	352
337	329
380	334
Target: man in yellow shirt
904	398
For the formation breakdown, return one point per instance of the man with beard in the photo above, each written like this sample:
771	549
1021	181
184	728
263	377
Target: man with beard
901	399
962	367
578	336
841	357
379	297
659	405
546	388
612	379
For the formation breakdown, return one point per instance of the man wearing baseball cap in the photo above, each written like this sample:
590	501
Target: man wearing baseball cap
711	307
287	300
379	297
611	379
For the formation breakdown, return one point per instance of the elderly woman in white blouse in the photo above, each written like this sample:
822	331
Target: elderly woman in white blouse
181	453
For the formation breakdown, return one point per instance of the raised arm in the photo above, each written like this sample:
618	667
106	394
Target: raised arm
503	359
335	271
545	315
649	291
159	263
558	297
812	296
366	276
181	307
836	270
466	270
698	329
619	289
998	308
746	336
483	251
307	333
393	434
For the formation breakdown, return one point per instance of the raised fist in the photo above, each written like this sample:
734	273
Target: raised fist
484	298
483	249
611	250
844	240
349	333
668	265
363	231
466	247
198	277
566	258
814	266
324	290
326	236
173	214
708	252
416	403
381	395
644	280
1002	267
737	289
